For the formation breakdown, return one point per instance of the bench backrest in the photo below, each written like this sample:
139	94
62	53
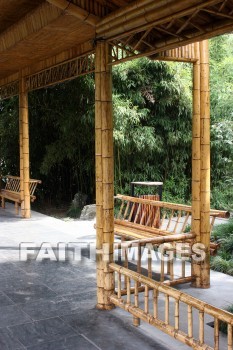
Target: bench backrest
163	215
13	184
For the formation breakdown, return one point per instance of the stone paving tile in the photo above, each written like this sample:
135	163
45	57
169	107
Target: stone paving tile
8	341
72	343
11	283
9	270
12	315
75	285
39	332
29	293
4	300
109	332
42	309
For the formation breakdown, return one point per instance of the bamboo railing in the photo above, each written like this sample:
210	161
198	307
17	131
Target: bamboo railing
149	308
160	248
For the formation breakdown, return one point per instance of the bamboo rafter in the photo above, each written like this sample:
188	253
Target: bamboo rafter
69	70
72	8
154	37
155	14
123	52
157	294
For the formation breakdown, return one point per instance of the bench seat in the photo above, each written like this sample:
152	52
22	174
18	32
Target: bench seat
12	191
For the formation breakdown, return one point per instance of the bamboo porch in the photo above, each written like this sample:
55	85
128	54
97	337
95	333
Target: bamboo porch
43	43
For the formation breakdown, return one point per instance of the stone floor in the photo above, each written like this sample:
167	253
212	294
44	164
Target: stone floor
50	305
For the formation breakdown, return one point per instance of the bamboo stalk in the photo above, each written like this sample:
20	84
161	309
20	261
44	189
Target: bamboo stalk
155	303
76	11
136	320
162	268
119	285
216	334
196	161
201	327
21	163
190	321
183	268
126	210
23	111
176	314
205	162
166	309
120	211
137	213
171	270
229	336
149	263
131	212
104	175
146	299
128	291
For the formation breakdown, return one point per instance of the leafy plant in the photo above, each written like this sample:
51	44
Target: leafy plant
223	262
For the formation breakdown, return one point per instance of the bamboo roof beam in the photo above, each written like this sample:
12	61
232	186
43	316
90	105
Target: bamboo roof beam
173	43
135	6
31	23
153	11
76	11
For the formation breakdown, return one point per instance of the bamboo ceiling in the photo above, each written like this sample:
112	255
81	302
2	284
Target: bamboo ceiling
38	34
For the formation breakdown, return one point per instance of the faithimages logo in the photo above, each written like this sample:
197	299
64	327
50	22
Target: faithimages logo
127	250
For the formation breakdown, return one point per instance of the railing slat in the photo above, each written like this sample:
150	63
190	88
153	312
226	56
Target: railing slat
155	303
190	321
216	334
177	314
229	337
166	309
201	327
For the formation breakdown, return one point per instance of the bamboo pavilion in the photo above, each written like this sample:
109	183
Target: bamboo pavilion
45	42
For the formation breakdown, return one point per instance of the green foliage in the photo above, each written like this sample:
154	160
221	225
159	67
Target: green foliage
74	211
223	262
152	109
221	88
9	135
223	230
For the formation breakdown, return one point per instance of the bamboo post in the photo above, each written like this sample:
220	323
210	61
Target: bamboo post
104	175
24	149
201	162
21	162
205	162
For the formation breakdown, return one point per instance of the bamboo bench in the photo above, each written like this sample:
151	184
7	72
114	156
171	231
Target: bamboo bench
12	191
140	218
142	222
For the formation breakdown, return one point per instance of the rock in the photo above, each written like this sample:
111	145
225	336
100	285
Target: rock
80	199
88	212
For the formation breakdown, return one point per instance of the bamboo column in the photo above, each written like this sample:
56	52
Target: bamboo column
24	149
205	162
104	175
201	162
21	163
